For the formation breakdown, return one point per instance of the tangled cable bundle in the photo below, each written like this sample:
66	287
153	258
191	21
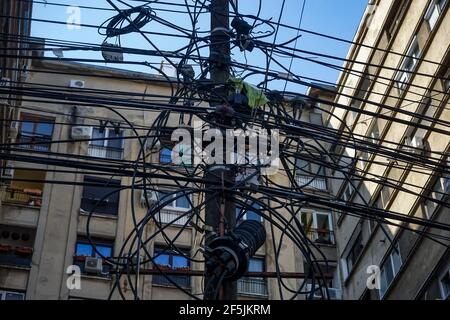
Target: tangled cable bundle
114	27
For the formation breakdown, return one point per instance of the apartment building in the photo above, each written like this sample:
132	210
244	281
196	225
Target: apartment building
14	23
43	225
411	266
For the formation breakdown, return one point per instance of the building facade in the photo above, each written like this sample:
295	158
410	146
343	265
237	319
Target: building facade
44	225
403	58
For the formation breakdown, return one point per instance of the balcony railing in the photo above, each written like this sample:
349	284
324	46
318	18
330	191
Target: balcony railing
321	293
33	141
28	197
105	152
182	281
312	183
253	287
321	236
15	256
169	216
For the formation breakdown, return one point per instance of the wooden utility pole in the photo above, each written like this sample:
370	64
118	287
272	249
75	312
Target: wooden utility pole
220	210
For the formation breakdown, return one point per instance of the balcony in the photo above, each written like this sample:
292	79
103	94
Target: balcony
26	197
182	281
15	256
16	246
105	152
312	183
33	141
321	236
169	216
321	293
252	287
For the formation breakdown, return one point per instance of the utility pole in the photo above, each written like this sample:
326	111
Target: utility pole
220	210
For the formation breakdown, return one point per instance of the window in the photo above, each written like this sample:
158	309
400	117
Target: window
389	270
355	252
352	115
110	148
434	11
34	131
383	197
84	249
168	259
25	189
374	134
180	201
183	155
445	285
11	295
440	188
347	194
318	227
408	65
94	196
255	286
447	84
165	155
246	214
310	175
316	118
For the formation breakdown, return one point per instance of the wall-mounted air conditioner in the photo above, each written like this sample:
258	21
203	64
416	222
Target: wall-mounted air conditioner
13	130
93	265
79	84
81	132
152	197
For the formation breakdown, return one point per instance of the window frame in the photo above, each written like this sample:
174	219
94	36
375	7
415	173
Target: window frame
245	215
445	294
184	279
4	292
314	214
435	7
389	262
172	206
106	135
99	243
36	120
404	75
109	183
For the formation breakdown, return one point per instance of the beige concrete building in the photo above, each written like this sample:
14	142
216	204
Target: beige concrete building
43	225
14	23
409	81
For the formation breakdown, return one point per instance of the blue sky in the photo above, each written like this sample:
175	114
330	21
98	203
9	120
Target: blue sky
339	18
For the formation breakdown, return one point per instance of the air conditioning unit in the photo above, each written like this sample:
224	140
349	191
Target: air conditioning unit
417	142
152	197
79	84
93	265
81	132
8	171
13	130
